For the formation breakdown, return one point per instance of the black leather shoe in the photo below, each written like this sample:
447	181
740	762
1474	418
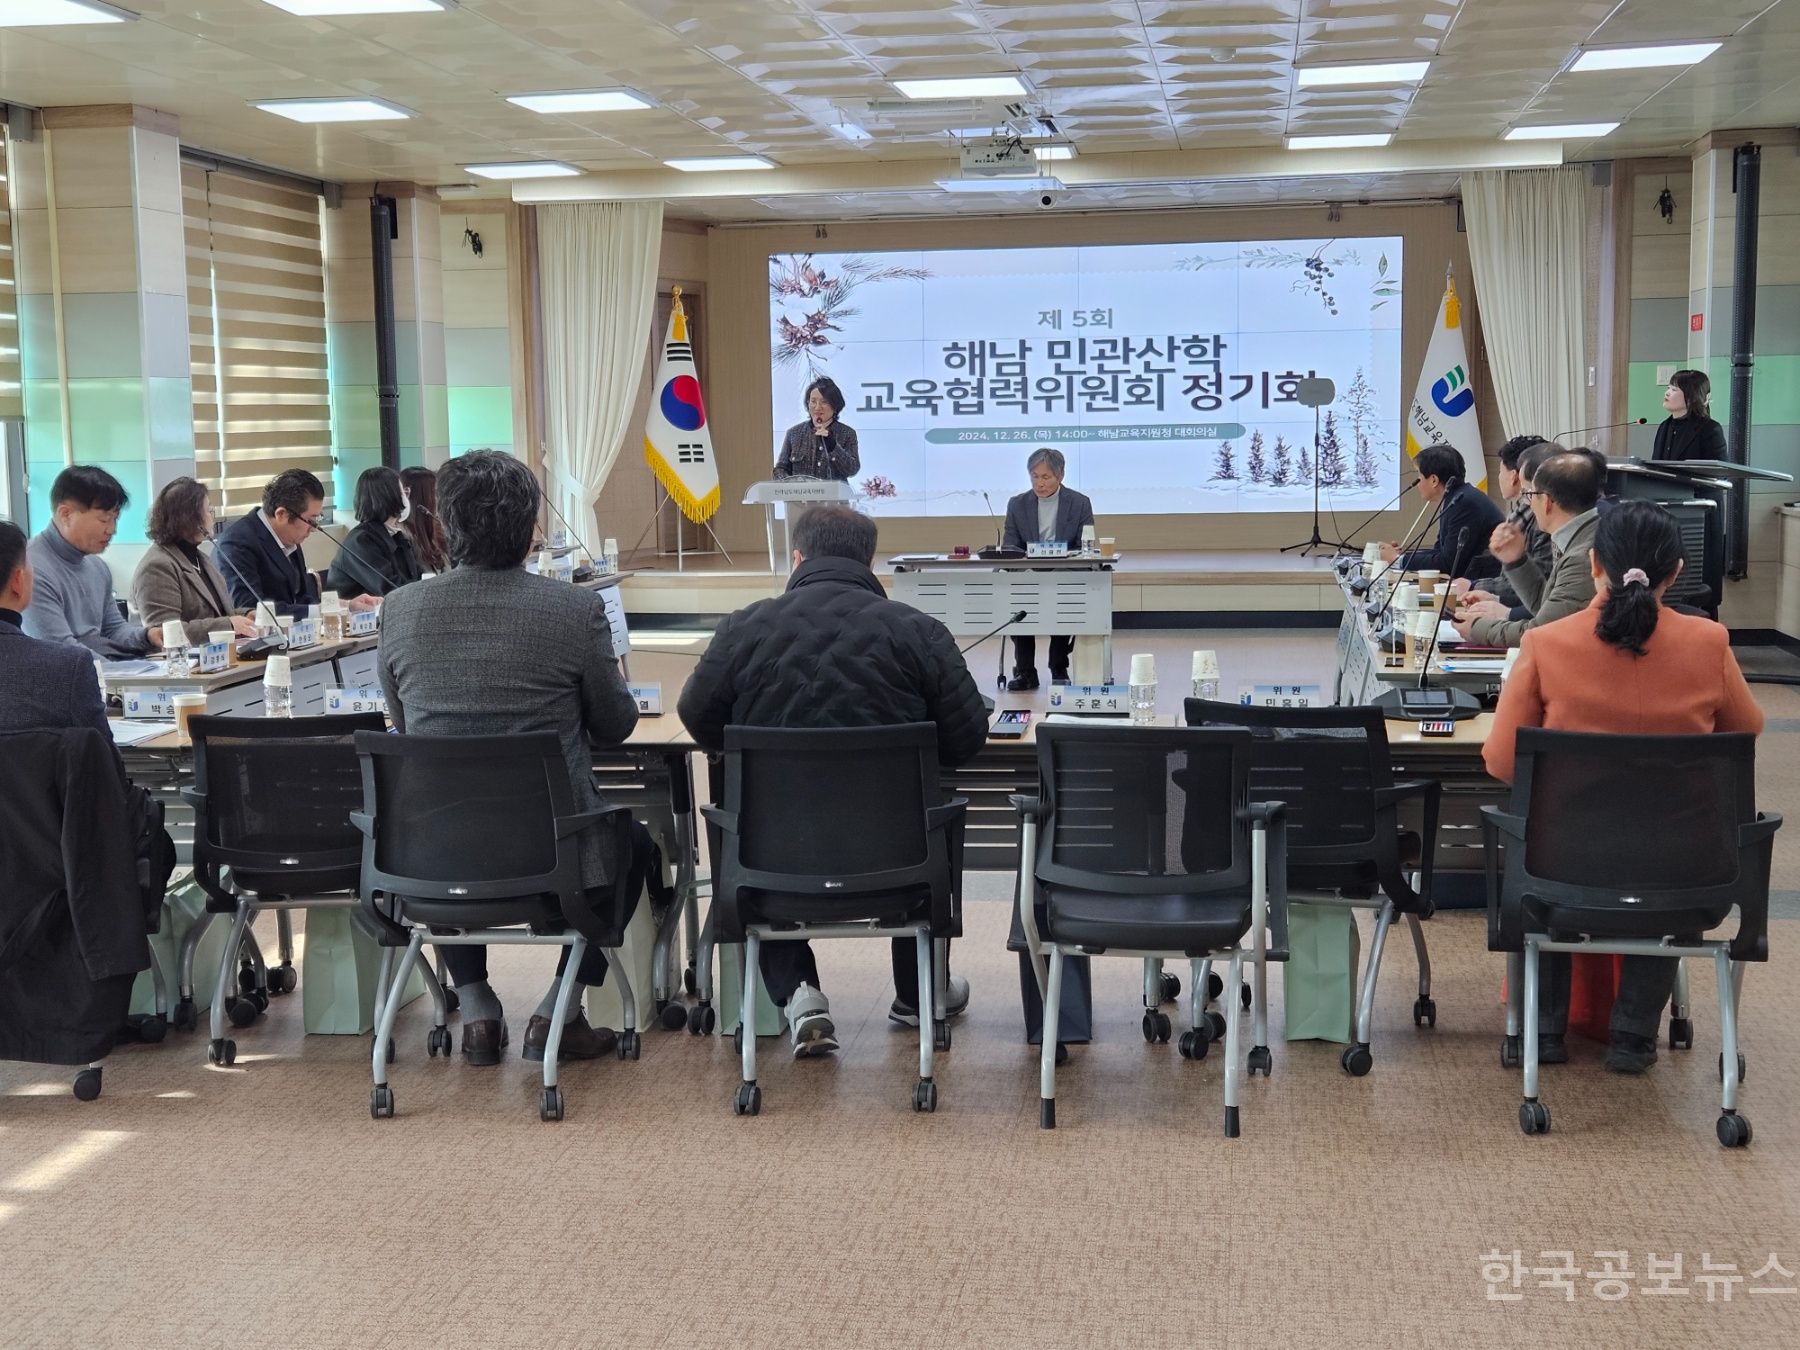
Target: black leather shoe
1626	1053
579	1040
484	1041
1059	676
1022	681
1553	1049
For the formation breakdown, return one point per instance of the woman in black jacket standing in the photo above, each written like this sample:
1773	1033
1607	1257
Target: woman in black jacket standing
1689	432
376	557
821	446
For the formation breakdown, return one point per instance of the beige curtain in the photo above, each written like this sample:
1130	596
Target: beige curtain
1527	238
597	266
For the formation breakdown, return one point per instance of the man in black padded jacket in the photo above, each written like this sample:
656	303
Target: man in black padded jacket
834	651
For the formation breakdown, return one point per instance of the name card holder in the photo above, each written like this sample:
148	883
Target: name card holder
214	657
1281	696
340	701
153	704
362	622
1039	549
304	633
1091	698
648	698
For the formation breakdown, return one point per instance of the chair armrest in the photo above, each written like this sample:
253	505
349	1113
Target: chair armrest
581	820
364	822
193	797
1763	827
1264	813
1756	850
937	817
1395	793
723	819
1032	808
1495	821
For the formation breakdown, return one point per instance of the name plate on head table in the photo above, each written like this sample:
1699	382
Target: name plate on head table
342	701
1281	696
362	622
153	703
304	633
1039	549
214	657
648	698
1090	698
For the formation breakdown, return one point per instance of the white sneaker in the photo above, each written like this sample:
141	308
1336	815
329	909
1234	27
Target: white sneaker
809	1018
956	1002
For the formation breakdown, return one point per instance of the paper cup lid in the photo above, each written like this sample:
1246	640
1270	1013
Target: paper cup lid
173	633
278	670
330	603
1143	668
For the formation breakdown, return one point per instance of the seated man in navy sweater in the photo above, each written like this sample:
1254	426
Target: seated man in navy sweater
1466	514
43	685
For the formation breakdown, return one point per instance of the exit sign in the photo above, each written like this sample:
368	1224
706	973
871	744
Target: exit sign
1696	323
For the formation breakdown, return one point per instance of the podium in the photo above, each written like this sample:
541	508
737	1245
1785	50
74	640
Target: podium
1697	492
780	492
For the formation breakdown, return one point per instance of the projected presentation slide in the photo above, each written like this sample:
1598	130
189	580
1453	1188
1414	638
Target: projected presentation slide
1167	374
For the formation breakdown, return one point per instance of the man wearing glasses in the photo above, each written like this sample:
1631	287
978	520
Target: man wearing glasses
1564	497
260	553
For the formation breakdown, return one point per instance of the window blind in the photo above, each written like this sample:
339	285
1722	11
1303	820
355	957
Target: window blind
256	334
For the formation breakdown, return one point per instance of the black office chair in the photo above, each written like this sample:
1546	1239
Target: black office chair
1144	842
475	839
1636	845
272	799
1330	768
836	833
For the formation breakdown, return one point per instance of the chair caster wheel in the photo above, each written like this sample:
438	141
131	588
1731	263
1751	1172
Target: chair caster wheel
152	1029
1194	1044
221	1052
437	1042
1734	1130
925	1095
673	1017
241	1011
187	1017
1534	1117
629	1045
87	1087
1261	1061
1157	1026
1046	1113
260	997
690	982
1216	1024
940	1036
1062	1054
381	1102
1231	1122
749	1100
1741	1067
550	1104
1245	998
1681	1033
1356	1060
1171	987
701	1020
1425	1012
1215	985
1510	1050
284	979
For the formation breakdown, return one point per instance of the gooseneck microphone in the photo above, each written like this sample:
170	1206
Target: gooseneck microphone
1389	505
1561	437
998	534
1462	537
1018	616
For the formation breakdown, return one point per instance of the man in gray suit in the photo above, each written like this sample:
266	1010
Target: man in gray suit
43	685
489	649
1564	497
1053	514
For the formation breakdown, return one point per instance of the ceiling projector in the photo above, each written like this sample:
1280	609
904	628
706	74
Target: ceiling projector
999	157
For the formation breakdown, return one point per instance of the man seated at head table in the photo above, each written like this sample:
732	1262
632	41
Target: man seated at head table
1045	513
1484	579
260	555
1626	663
1465	516
489	649
1564	498
43	685
72	599
834	651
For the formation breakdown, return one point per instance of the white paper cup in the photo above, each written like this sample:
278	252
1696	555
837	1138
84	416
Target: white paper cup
1143	668
330	603
1406	595
186	705
174	634
1206	666
278	669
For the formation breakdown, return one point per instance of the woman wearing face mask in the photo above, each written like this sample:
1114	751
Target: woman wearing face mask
423	526
1689	432
821	446
376	556
175	580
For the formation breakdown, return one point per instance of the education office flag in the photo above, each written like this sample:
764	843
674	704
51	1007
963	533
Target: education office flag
677	443
1443	407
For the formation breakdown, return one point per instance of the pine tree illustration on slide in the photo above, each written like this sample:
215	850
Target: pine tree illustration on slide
1359	404
1225	467
1282	474
1303	467
1254	464
1331	454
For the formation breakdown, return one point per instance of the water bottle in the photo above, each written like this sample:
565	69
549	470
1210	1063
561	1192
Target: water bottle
1206	675
174	641
278	687
1143	689
331	617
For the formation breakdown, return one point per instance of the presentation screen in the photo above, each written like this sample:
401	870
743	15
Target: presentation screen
1168	375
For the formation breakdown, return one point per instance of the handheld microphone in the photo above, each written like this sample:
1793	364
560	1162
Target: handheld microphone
1018	616
995	519
1462	537
1561	437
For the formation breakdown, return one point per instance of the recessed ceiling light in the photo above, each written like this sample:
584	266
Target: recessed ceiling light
1370	142
1362	72
1046	153
527	168
321	9
1645	58
719	163
582	100
850	131
965	86
1000	184
43	13
1568	131
336	109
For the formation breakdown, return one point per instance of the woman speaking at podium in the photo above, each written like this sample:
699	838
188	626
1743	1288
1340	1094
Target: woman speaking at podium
821	446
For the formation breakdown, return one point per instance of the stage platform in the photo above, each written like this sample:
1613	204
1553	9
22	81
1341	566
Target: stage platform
1150	589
